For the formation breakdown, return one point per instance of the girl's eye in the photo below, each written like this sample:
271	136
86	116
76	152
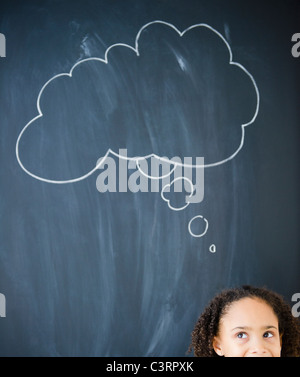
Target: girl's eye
268	335
242	335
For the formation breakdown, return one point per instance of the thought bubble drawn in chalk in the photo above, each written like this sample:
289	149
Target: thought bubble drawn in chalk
171	83
203	224
167	186
212	248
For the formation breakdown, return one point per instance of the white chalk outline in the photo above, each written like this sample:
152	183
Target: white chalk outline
169	185
205	230
212	248
151	176
136	50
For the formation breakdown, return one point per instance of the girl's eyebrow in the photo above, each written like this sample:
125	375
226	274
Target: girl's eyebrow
241	328
270	327
249	328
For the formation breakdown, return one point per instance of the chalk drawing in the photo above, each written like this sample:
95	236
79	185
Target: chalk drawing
198	235
110	151
168	200
212	248
101	161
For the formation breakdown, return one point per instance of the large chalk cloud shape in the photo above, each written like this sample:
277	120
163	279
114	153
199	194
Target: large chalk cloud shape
171	94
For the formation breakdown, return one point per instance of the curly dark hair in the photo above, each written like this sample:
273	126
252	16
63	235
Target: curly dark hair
207	326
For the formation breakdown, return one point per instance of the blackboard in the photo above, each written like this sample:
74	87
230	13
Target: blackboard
149	158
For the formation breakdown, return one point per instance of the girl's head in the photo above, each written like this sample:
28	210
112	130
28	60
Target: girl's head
246	321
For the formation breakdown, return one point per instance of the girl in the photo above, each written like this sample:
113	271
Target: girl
246	321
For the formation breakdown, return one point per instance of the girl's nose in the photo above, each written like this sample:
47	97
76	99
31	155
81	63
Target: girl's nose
258	349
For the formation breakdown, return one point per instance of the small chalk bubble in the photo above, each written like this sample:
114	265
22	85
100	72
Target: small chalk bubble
212	248
202	221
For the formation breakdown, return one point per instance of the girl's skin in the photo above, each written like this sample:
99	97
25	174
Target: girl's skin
249	328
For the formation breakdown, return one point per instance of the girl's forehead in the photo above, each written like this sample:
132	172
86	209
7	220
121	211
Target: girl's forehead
250	312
